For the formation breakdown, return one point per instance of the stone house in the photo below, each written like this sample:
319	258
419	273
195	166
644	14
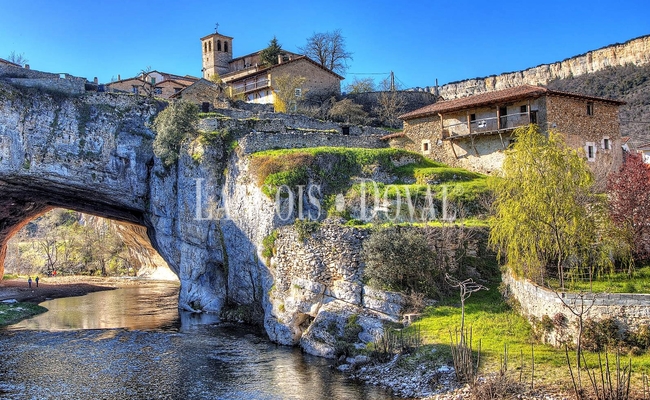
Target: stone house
246	76
208	95
4	62
163	84
473	132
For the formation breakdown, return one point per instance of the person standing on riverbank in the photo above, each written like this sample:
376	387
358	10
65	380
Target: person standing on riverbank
36	280
29	282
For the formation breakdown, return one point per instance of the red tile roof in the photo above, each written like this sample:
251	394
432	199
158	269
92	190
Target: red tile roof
393	136
489	98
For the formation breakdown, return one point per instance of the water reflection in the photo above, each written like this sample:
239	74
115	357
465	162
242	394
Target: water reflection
155	356
146	307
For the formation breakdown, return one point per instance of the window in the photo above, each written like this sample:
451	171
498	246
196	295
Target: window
205	107
218	45
472	117
523	109
426	146
590	108
153	80
590	150
345	130
135	89
210	46
606	144
157	90
225	46
205	47
298	92
177	89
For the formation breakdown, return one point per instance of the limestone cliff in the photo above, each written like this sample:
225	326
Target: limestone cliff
205	215
635	51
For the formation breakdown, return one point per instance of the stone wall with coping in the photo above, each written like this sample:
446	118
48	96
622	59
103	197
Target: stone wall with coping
65	83
629	310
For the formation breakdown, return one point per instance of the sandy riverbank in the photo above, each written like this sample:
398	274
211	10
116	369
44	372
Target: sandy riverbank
53	288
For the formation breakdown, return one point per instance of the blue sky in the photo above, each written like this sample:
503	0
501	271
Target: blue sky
418	40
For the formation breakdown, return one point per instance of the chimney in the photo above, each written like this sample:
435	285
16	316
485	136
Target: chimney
279	58
118	77
95	80
26	66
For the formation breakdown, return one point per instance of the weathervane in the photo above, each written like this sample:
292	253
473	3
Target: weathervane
216	28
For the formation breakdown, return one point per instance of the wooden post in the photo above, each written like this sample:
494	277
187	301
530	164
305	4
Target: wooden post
451	142
442	127
502	142
469	124
528	111
498	117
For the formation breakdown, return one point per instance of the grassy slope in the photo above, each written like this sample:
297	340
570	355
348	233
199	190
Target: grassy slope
336	169
13	313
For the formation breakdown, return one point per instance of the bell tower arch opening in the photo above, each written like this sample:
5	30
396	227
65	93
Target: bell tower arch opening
216	60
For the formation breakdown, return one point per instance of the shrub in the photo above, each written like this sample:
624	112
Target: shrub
174	125
598	335
400	259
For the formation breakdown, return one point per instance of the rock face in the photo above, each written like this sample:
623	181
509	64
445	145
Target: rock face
635	51
205	215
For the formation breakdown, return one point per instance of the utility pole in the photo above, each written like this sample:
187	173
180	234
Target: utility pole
392	81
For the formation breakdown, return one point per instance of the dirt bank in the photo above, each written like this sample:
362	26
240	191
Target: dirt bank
52	288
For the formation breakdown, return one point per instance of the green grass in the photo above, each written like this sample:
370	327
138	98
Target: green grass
337	169
13	313
496	325
619	282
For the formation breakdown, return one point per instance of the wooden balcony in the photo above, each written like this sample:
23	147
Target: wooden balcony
252	86
487	126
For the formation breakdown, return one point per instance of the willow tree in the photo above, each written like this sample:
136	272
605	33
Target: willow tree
543	206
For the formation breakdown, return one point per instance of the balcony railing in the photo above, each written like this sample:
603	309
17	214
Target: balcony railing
487	126
250	86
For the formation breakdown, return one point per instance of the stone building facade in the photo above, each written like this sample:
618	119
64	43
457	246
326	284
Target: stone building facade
245	76
473	132
162	84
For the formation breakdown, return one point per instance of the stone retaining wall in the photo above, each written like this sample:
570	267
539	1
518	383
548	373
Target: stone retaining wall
65	83
630	310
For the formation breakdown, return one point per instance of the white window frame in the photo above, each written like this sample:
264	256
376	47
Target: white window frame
298	92
606	143
426	146
591	145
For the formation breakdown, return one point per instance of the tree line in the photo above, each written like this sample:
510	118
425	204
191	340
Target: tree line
69	243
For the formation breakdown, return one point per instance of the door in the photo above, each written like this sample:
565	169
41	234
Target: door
503	117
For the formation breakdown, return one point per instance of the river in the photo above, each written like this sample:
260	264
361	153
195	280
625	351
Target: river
132	343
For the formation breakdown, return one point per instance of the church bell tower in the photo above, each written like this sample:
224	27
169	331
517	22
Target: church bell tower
217	53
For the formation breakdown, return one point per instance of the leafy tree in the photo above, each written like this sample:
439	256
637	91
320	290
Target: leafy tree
364	85
288	92
328	49
17	58
348	111
401	259
269	56
542	205
173	125
629	204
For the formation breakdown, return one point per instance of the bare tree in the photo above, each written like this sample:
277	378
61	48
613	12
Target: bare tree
17	58
361	85
328	49
466	287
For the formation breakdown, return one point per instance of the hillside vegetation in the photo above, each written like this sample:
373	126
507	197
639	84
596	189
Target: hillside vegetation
397	185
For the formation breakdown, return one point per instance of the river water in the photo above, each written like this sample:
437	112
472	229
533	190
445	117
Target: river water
132	343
